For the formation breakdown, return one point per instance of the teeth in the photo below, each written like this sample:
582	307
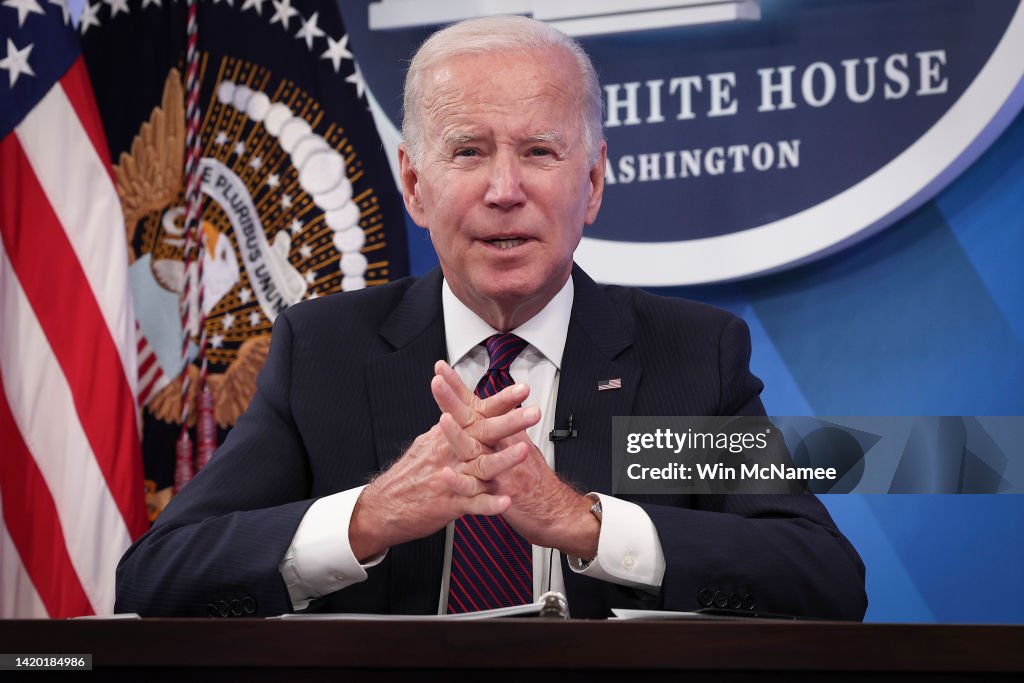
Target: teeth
507	243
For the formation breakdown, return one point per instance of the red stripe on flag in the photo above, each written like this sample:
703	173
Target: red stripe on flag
45	263
79	91
32	521
148	389
147	364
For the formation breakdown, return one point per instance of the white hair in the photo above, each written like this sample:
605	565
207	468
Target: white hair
493	34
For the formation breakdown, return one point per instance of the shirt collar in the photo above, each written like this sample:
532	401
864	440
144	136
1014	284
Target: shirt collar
545	331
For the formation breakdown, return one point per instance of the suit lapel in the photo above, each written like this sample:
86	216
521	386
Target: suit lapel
398	383
597	349
402	408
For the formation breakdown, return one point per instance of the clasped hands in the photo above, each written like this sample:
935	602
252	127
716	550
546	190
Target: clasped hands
476	460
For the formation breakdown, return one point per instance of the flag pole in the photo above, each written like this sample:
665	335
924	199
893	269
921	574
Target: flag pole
184	467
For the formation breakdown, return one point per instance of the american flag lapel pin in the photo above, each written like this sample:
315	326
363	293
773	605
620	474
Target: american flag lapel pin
609	384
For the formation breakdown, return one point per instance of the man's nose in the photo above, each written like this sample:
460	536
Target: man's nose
505	189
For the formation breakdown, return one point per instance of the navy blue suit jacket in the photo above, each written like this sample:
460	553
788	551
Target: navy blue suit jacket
346	389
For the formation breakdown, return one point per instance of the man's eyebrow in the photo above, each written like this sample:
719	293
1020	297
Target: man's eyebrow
550	137
456	138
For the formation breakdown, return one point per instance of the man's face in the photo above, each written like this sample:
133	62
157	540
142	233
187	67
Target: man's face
504	185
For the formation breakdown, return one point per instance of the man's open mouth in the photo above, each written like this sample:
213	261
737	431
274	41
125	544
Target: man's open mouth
507	242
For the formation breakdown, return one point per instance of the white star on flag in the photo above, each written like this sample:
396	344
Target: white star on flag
283	12
310	276
305	251
273	180
286	201
258	4
88	17
239	149
337	50
217	341
147	3
117	6
256	163
296	226
16	61
221	138
228	320
310	31
356	79
244	294
24	7
254	319
65	12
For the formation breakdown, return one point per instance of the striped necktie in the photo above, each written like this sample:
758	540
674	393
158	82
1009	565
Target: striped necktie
492	565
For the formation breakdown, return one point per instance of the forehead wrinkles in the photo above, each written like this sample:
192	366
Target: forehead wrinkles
524	85
443	96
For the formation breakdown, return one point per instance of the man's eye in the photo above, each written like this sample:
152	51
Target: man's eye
465	152
540	152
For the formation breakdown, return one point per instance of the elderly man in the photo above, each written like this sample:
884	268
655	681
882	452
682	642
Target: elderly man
449	386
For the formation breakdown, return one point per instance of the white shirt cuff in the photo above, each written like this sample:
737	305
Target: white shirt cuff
628	550
319	560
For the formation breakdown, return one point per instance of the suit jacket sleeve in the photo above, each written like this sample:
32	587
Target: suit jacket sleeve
675	357
778	553
345	389
218	543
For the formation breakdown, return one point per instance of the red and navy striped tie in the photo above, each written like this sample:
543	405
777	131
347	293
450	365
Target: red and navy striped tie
492	565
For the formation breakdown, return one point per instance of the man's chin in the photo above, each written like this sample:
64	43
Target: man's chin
511	291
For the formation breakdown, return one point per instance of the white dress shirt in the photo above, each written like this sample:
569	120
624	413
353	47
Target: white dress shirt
320	561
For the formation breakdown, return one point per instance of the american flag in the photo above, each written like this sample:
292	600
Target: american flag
70	468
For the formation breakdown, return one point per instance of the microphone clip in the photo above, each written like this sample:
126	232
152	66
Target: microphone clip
569	432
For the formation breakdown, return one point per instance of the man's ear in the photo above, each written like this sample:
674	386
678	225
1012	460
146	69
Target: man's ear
596	184
410	187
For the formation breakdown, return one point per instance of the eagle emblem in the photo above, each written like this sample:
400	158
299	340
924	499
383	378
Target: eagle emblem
279	224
